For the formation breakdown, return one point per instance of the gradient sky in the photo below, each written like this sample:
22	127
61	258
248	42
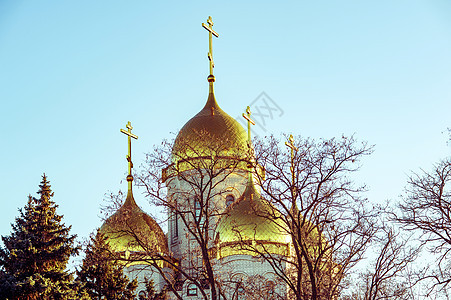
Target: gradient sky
72	73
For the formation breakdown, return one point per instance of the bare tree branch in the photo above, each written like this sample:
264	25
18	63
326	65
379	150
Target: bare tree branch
426	211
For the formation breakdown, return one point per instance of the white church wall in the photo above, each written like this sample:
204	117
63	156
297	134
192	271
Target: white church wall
180	240
250	277
143	272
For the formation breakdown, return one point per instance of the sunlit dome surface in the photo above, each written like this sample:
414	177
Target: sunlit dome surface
248	221
130	221
210	129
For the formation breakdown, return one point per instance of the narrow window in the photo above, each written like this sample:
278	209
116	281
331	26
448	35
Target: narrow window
197	207
176	224
199	212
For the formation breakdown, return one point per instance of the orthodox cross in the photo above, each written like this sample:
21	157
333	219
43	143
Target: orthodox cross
130	135
293	148
211	32
247	116
291	145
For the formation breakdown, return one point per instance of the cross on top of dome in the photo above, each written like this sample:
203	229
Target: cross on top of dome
130	135
211	32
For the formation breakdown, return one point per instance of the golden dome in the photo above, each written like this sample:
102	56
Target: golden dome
130	226
251	221
211	132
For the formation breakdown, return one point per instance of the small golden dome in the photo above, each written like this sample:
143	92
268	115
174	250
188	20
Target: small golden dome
251	221
211	132
130	226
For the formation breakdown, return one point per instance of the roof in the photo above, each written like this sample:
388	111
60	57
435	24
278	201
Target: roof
131	230
211	132
251	220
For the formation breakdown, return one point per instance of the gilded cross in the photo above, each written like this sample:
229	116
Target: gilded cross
247	116
291	144
293	148
130	135
211	32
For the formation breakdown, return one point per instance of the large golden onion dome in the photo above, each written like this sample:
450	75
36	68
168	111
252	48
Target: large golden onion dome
211	132
251	224
131	231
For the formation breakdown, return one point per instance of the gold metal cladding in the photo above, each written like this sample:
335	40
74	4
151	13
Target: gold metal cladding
249	221
211	32
205	133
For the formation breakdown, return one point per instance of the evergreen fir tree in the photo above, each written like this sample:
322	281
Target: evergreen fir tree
34	257
151	292
101	275
150	288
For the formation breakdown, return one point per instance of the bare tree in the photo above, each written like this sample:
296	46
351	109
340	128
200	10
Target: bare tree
195	172
390	274
322	212
111	203
311	196
426	211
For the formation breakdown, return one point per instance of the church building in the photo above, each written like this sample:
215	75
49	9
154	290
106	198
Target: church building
215	211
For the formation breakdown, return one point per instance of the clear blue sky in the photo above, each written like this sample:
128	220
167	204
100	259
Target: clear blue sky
72	73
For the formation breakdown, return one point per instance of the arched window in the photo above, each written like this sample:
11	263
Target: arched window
191	290
142	295
240	292
229	200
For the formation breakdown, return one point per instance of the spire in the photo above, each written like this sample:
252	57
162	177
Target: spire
130	135
211	32
247	116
